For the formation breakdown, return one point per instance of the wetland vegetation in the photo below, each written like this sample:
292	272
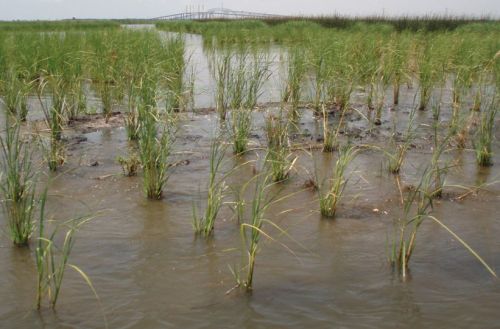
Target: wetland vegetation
349	143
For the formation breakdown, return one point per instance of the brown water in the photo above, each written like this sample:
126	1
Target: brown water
151	272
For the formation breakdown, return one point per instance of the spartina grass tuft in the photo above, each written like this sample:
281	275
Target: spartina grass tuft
331	194
216	188
417	207
18	184
253	229
155	144
397	155
485	134
240	128
53	260
279	158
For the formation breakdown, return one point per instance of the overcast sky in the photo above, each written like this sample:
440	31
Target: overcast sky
57	9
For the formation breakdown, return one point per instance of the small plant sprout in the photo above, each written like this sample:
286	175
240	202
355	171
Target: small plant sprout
130	165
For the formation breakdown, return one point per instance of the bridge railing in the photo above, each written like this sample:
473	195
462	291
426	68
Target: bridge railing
216	14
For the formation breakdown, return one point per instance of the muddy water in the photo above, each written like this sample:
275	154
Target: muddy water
151	272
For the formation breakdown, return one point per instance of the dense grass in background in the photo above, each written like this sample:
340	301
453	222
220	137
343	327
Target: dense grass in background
376	55
64	25
127	69
397	24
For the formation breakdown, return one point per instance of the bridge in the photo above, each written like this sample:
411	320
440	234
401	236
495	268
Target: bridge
216	13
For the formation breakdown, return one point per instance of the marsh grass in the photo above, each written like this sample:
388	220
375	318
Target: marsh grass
132	123
240	129
330	142
52	260
257	73
253	230
279	158
105	72
331	194
155	145
173	63
321	71
156	137
238	204
330	135
417	207
205	224
485	134
459	125
18	184
15	93
239	75
296	71
398	53
439	170
397	155
220	67
54	117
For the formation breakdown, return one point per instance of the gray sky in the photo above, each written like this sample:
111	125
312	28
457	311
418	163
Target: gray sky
57	9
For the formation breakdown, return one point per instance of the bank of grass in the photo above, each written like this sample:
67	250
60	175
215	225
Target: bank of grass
233	29
62	25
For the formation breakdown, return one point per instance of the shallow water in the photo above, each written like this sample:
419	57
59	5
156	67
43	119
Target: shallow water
151	272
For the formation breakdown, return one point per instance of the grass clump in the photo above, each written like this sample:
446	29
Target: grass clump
18	184
241	126
484	135
330	196
330	135
52	260
130	165
253	230
54	117
15	93
296	71
279	158
154	151
205	224
417	207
